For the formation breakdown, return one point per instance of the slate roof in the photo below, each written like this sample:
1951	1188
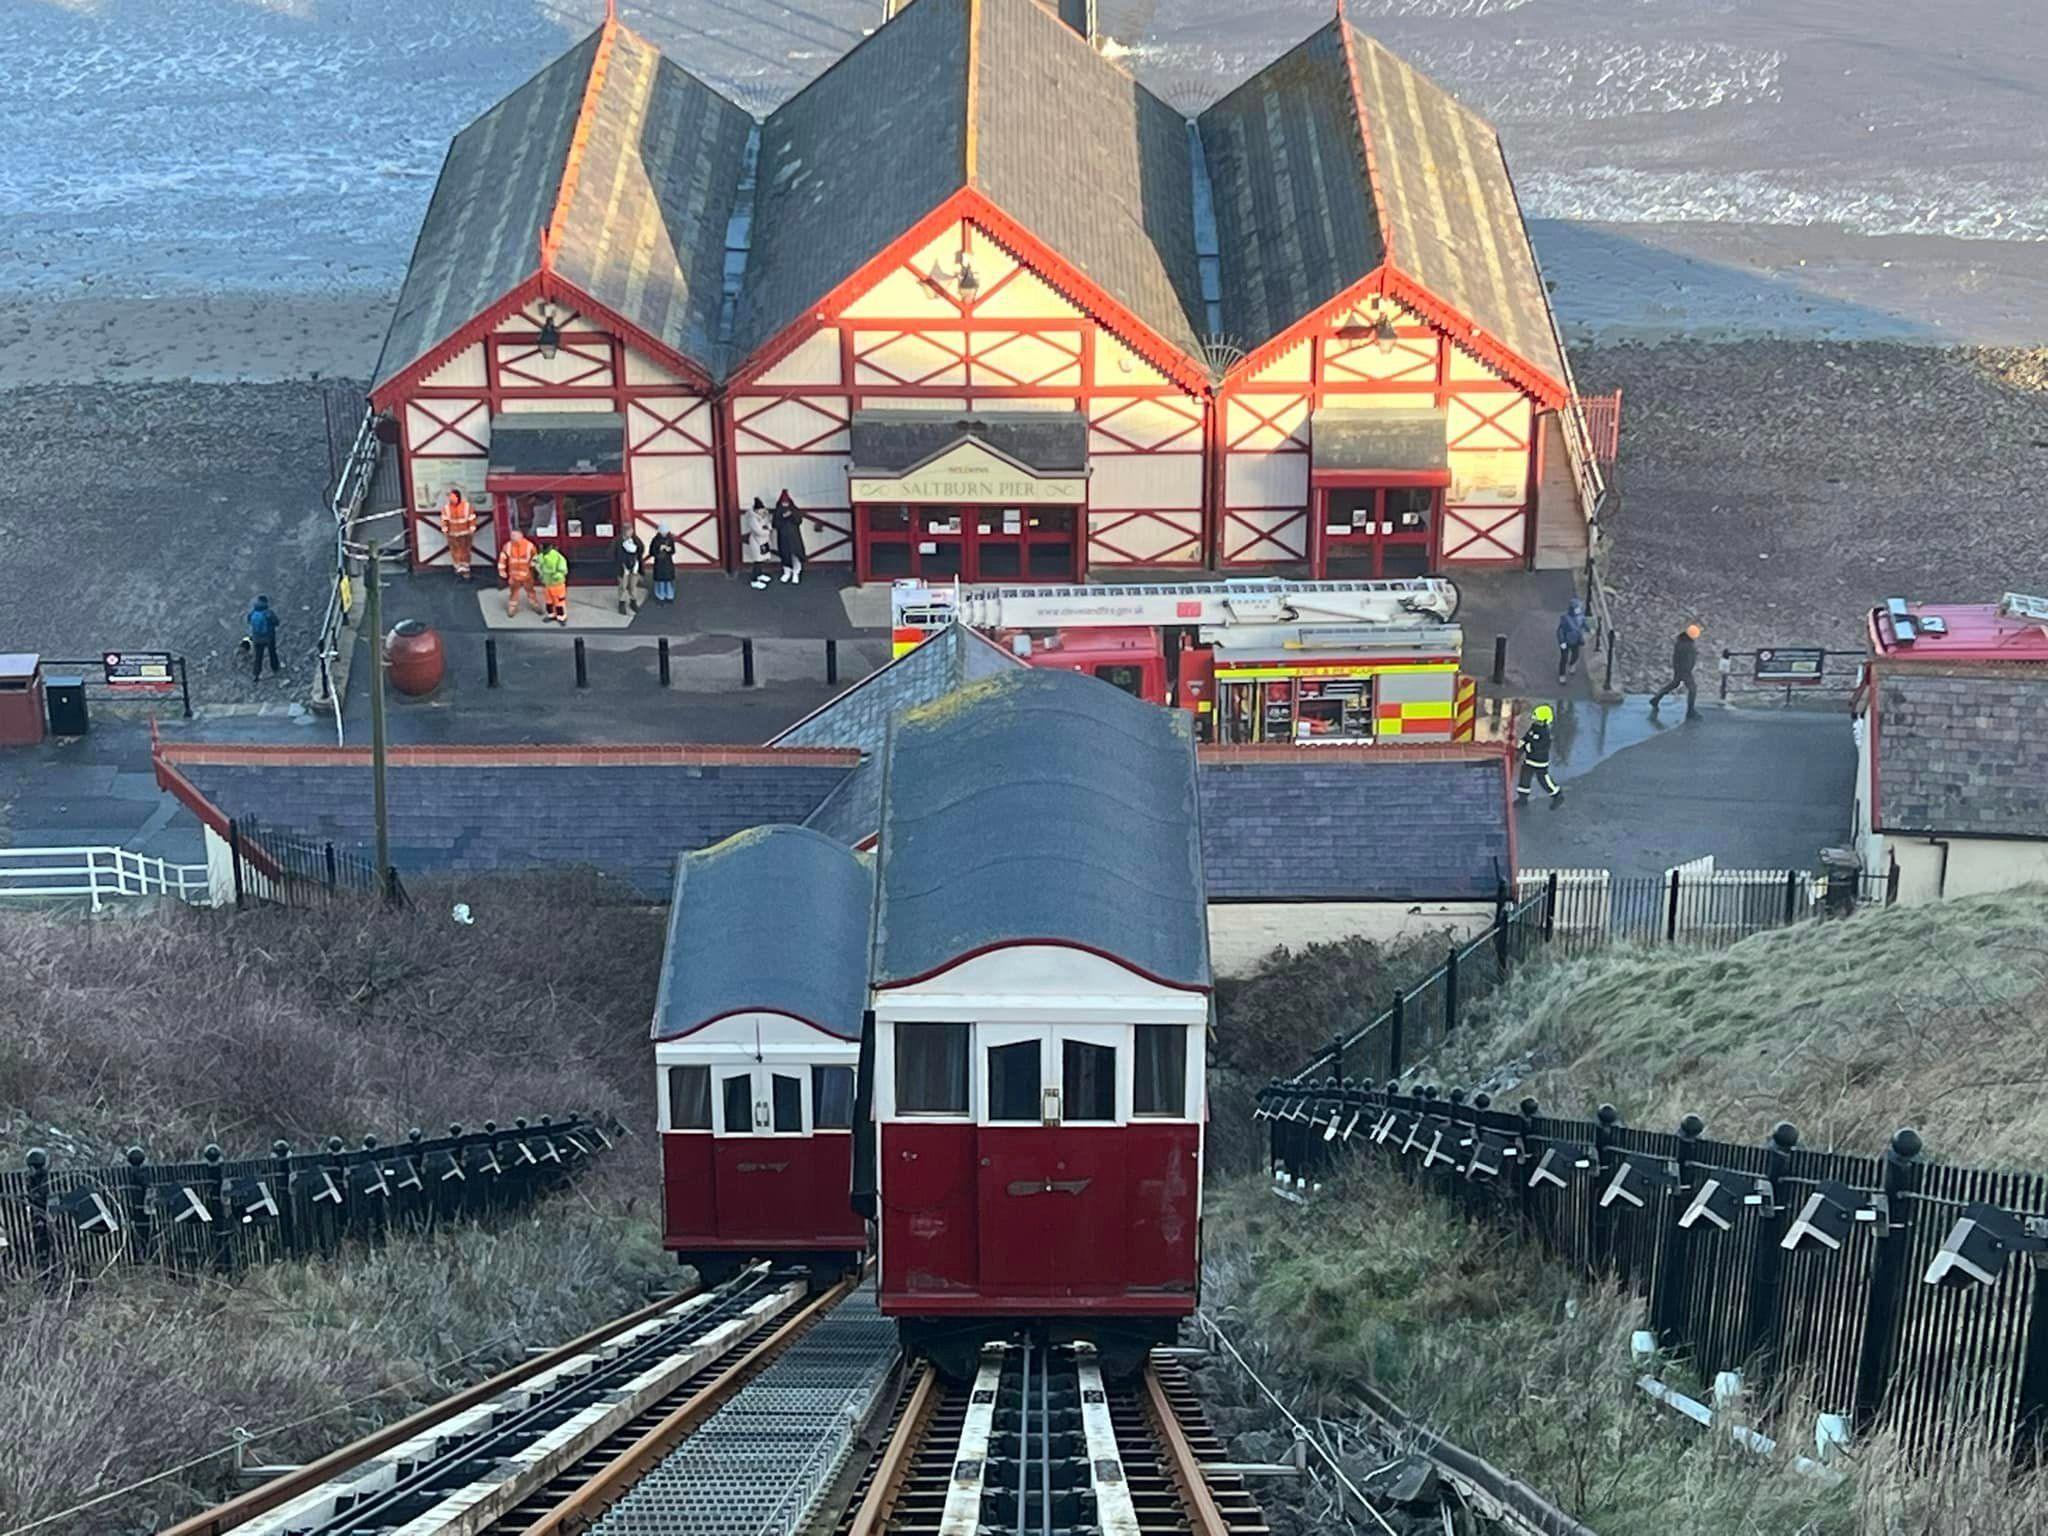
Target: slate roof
852	161
644	229
1962	753
1041	806
772	920
894	442
1404	440
1354	826
1294	217
481	236
861	716
628	821
1088	160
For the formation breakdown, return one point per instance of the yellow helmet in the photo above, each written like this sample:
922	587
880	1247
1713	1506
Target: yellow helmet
1544	714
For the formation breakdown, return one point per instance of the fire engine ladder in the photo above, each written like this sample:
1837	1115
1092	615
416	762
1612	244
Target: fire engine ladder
1214	604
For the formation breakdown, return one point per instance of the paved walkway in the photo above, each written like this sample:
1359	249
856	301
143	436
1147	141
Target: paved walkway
1757	789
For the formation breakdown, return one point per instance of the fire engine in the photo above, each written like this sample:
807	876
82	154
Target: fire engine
1313	663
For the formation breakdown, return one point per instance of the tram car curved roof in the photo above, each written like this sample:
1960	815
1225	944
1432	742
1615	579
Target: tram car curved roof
1045	807
772	920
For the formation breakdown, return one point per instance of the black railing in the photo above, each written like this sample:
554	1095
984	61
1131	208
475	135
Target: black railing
1792	670
285	868
218	1215
1820	1276
97	675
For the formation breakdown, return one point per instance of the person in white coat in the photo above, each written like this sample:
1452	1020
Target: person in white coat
757	541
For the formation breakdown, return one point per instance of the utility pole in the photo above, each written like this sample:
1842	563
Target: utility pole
375	577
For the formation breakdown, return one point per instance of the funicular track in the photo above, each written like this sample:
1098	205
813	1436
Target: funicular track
546	1446
1040	1445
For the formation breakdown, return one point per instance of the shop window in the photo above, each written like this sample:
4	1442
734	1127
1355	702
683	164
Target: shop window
1049	553
786	1094
832	1098
931	1069
738	1093
689	1098
1087	1081
1161	1086
1013	1081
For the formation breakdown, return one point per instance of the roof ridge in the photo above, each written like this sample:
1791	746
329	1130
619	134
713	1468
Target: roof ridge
579	138
1347	38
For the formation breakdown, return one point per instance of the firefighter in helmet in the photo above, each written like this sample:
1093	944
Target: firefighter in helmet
1536	756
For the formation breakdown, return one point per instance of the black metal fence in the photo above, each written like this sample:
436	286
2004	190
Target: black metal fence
273	864
1877	1288
1793	671
105	678
218	1215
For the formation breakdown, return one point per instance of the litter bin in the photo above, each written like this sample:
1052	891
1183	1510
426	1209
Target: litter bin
21	699
67	705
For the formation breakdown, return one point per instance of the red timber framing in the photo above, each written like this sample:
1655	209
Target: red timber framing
1034	334
1382	342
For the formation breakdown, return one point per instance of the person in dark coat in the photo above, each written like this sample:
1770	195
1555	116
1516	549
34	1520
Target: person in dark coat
1685	655
1571	636
661	556
789	538
262	639
1536	757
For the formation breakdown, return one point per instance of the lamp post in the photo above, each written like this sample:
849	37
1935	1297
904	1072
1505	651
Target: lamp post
372	551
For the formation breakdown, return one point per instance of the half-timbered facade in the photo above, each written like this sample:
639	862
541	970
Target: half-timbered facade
983	306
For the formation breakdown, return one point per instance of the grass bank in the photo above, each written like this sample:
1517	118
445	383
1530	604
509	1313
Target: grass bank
1516	1360
1931	1016
174	1030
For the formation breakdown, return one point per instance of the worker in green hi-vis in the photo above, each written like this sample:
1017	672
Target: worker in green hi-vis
551	570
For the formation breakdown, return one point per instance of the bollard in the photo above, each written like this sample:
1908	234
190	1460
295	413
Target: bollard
1500	660
746	663
661	655
582	665
832	663
490	661
1612	636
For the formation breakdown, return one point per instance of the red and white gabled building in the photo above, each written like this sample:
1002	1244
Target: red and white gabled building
985	306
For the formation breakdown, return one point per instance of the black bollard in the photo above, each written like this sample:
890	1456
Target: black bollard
1500	660
491	661
747	663
832	663
582	666
661	654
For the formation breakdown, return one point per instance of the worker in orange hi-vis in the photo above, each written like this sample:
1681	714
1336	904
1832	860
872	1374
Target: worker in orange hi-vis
458	523
515	569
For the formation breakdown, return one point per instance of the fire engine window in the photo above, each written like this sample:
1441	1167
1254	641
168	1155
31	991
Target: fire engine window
1162	1071
831	1098
1013	1081
1088	1081
1130	679
739	1104
931	1069
788	1096
689	1098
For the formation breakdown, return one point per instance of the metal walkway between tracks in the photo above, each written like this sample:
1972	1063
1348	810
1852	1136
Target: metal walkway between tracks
755	1467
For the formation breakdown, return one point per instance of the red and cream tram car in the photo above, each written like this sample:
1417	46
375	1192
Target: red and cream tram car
1033	1077
756	1039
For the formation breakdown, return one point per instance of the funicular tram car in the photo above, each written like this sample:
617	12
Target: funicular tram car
1032	1080
756	1039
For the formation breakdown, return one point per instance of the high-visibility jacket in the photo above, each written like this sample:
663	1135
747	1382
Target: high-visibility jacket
1536	745
458	516
552	567
515	560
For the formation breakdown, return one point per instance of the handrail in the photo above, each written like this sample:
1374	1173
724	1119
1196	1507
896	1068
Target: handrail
351	489
97	872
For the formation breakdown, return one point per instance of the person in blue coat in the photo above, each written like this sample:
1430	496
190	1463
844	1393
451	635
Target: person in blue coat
1571	636
263	636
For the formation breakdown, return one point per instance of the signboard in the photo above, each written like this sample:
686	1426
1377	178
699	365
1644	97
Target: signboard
968	472
1791	664
144	670
433	478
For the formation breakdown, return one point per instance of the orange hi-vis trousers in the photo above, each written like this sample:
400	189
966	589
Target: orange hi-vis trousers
558	601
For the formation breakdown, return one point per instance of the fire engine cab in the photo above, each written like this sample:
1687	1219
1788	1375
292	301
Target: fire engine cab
1312	663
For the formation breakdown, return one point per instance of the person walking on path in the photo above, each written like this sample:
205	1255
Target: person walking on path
1536	757
1571	637
458	522
757	541
263	636
551	569
1685	655
629	558
661	559
789	538
515	569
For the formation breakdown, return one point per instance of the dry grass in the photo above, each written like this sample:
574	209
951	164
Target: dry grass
1928	1016
175	1030
1514	1359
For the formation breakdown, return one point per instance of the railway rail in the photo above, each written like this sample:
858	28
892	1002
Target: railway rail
1042	1445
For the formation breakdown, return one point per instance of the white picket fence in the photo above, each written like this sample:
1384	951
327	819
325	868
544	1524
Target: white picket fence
98	875
1693	903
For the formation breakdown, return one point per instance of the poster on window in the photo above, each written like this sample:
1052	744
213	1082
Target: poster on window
546	517
432	479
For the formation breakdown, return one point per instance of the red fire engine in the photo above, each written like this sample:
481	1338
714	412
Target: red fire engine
1309	662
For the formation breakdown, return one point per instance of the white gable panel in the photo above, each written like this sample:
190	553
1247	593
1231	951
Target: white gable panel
906	295
1117	365
465	370
814	479
1145	480
1117	423
1027	296
800	423
595	405
888	358
1265	480
448	427
672	483
739	1034
641	369
814	360
1042	980
1290	367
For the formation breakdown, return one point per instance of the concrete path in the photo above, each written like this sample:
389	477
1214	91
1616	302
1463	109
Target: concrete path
1757	789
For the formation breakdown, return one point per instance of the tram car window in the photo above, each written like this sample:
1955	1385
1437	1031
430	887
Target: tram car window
1040	1002
755	1061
